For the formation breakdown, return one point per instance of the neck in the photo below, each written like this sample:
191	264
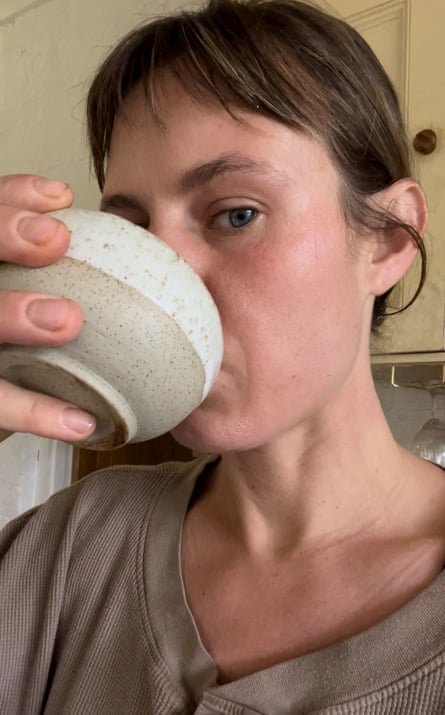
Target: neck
323	481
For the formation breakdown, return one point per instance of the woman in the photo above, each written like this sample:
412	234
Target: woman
298	571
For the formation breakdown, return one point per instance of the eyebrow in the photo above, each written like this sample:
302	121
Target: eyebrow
198	176
201	174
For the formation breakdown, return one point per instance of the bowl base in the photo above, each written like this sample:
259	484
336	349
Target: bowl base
51	372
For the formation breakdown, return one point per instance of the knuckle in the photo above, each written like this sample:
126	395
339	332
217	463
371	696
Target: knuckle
33	415
15	326
20	326
10	183
15	248
27	190
8	217
11	314
23	410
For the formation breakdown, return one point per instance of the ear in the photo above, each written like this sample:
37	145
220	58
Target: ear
393	250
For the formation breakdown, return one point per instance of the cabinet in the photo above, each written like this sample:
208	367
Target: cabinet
407	36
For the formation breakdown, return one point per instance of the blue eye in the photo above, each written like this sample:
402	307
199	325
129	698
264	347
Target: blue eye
236	218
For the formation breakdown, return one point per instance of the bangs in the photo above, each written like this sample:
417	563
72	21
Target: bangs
285	59
219	55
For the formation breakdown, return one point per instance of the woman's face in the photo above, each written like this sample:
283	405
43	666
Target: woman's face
254	208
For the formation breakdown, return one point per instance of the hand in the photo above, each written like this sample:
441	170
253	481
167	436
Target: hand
30	238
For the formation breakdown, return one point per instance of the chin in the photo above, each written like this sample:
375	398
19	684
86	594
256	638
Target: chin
206	431
201	431
199	441
223	424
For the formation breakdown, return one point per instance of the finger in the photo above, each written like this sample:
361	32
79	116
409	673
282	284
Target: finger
34	192
31	239
27	411
36	319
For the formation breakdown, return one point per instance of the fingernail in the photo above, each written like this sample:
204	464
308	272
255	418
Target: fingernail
37	229
77	420
48	313
51	189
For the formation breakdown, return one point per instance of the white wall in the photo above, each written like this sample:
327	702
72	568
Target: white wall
49	50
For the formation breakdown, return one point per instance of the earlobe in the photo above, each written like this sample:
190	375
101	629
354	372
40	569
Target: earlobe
395	249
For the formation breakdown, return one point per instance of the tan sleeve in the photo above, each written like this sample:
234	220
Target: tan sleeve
35	553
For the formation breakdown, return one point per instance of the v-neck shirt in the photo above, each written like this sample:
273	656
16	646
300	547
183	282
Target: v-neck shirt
94	620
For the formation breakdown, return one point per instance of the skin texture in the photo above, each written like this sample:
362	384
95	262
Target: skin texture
311	488
294	286
313	506
291	286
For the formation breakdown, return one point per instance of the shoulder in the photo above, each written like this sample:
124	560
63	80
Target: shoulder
70	568
96	503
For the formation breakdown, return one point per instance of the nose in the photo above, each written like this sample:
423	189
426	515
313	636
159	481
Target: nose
186	242
191	245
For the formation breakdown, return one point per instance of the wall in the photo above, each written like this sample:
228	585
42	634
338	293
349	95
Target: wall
49	50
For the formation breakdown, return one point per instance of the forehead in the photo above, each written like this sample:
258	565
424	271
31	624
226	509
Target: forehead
186	131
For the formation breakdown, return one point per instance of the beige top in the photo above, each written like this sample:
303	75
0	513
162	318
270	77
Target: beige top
93	620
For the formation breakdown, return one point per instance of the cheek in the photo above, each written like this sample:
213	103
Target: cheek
287	290
289	343
292	330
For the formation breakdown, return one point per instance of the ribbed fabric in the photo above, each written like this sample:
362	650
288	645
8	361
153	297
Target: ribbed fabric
93	620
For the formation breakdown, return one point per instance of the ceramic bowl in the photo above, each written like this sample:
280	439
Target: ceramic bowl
151	343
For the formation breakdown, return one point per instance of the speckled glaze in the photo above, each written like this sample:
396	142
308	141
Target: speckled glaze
151	344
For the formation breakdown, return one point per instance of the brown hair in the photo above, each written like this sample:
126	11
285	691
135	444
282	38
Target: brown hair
285	59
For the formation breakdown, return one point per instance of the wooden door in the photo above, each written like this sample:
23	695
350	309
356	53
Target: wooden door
407	36
154	451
